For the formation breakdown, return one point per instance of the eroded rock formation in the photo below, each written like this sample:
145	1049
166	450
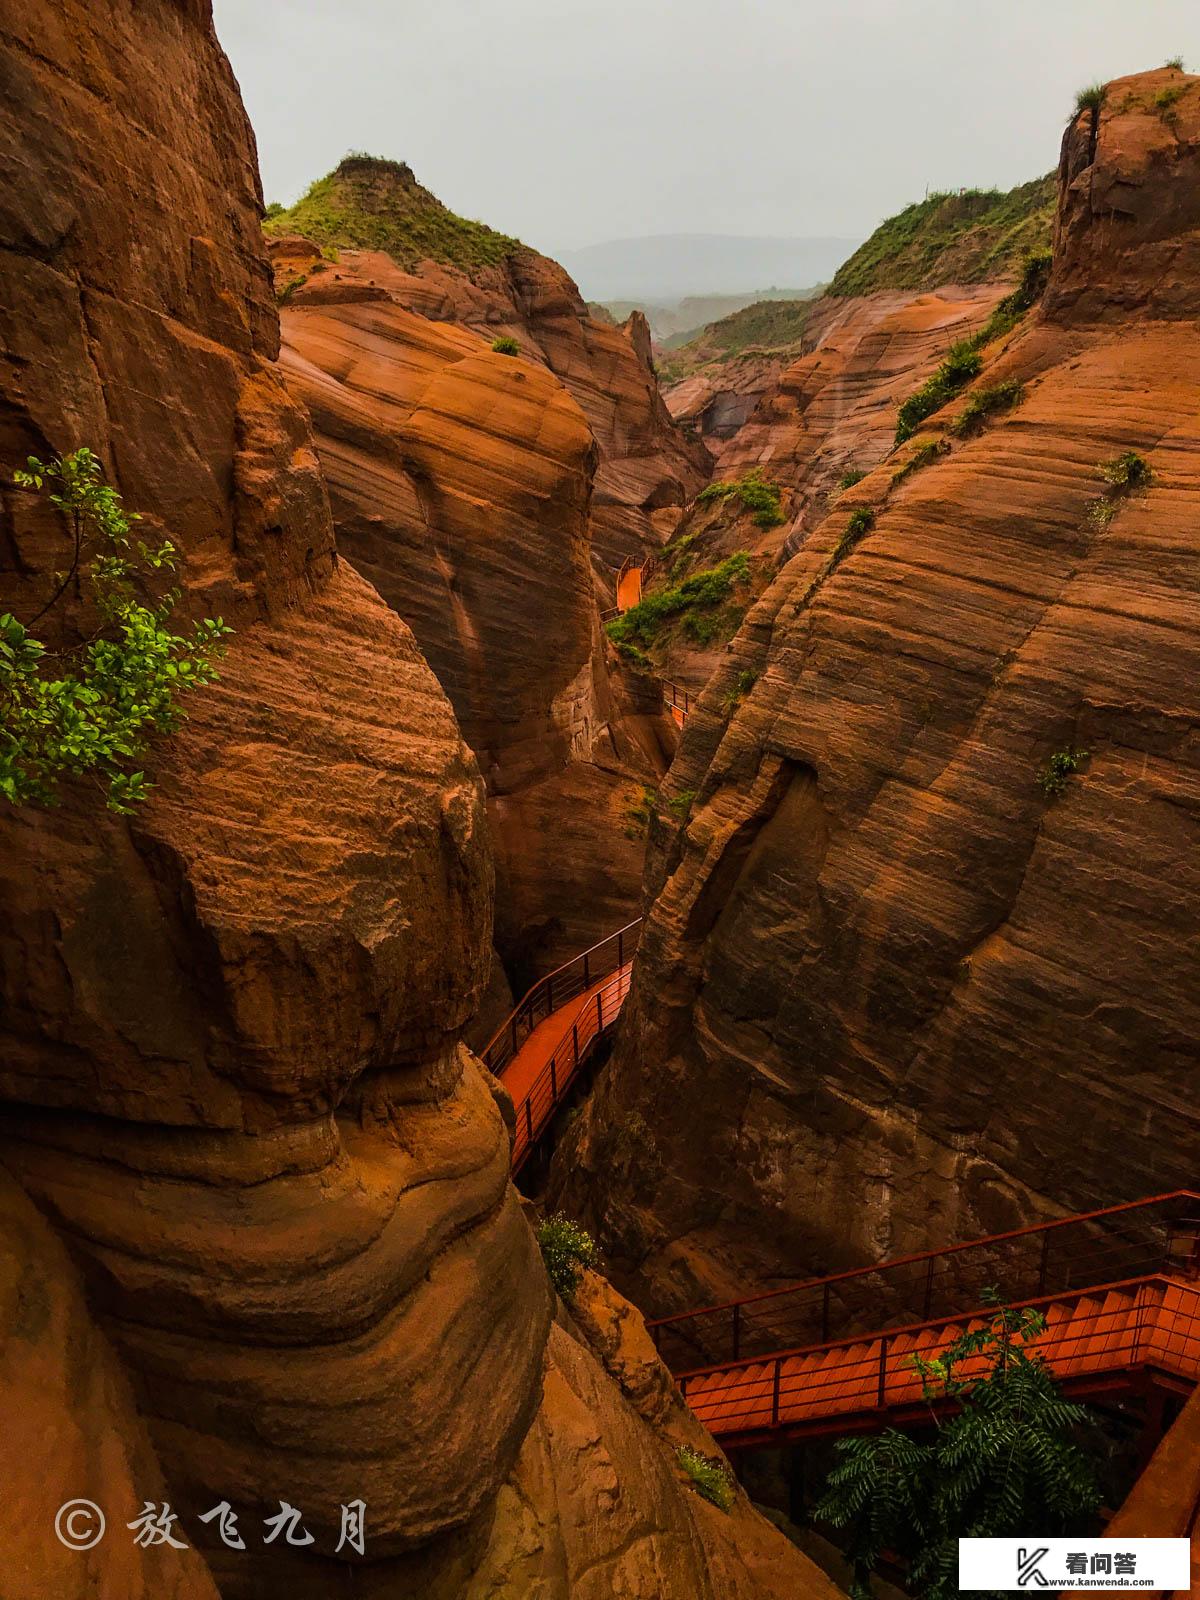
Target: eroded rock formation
920	963
461	482
231	1071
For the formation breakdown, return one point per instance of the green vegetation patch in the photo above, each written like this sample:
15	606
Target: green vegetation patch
704	591
925	453
767	327
1055	775
89	710
506	345
755	493
712	1480
862	520
368	203
1090	98
962	364
566	1249
996	397
966	237
849	479
1010	1458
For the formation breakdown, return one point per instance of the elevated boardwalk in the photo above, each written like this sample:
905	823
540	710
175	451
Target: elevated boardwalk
1119	1290
548	1039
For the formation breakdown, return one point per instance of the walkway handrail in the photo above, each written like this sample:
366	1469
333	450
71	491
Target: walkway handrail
594	1017
1106	1335
1139	1236
556	988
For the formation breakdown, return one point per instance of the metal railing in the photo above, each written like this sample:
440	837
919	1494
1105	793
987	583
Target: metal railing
573	978
597	1013
677	700
1094	1339
1145	1236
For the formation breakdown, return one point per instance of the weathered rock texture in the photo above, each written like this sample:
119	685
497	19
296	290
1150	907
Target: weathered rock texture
230	1065
891	992
647	468
71	1433
805	424
461	482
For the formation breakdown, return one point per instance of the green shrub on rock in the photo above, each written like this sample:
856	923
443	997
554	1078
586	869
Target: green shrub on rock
566	1250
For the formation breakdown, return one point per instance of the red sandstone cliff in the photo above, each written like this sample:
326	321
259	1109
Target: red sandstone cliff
233	1087
462	484
892	991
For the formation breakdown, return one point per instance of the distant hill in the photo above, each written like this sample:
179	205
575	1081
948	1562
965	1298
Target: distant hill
971	236
664	269
676	323
767	327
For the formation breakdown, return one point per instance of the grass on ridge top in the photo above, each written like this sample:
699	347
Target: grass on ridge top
368	203
971	237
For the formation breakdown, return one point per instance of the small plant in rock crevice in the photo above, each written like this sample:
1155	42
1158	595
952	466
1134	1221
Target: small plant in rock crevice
849	479
640	813
925	454
742	686
506	345
1128	471
712	1480
1090	98
566	1250
680	805
862	520
1055	775
997	397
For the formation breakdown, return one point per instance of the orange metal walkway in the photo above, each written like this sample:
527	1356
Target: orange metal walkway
1119	1290
543	1044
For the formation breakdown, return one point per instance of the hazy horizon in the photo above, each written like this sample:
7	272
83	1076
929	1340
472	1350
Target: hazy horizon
773	119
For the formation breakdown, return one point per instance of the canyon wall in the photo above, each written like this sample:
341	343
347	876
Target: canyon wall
920	962
462	485
277	1256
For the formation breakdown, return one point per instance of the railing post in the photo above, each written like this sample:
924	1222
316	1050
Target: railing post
883	1346
929	1286
528	1122
775	1395
599	1013
575	1042
737	1332
553	1082
1041	1288
825	1313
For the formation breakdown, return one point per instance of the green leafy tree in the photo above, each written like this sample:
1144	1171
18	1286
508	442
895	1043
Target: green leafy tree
1006	1463
91	706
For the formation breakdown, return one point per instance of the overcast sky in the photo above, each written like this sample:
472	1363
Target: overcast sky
568	123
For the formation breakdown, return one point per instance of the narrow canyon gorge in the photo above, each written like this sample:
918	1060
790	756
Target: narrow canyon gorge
911	872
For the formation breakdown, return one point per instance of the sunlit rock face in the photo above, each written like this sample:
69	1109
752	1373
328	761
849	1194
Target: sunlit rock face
462	486
231	1065
257	1238
892	992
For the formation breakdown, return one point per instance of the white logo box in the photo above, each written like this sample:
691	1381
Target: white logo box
1031	1564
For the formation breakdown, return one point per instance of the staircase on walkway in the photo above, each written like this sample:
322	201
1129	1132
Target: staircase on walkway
1118	1288
548	1039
